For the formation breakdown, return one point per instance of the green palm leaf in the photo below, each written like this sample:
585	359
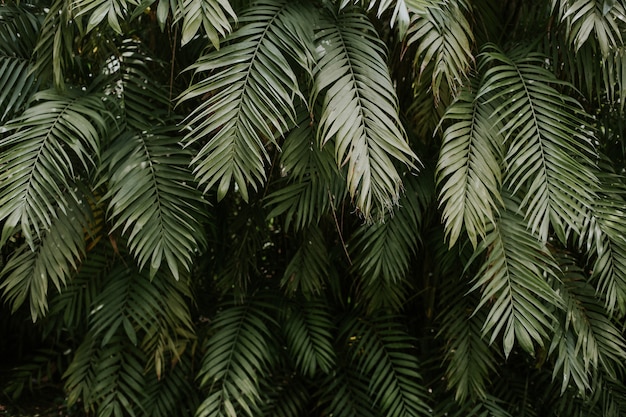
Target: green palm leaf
212	15
359	113
19	28
247	90
586	339
513	280
444	41
548	157
469	168
287	397
308	328
54	143
346	394
52	258
236	356
383	353
151	198
98	10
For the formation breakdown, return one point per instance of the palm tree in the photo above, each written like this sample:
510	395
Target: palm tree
315	208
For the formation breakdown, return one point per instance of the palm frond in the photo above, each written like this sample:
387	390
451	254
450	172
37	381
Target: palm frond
152	199
383	251
288	398
308	332
346	394
53	143
585	339
513	281
311	180
444	41
307	271
52	258
469	169
359	113
587	17
212	15
549	156
98	10
19	30
247	93
235	358
383	353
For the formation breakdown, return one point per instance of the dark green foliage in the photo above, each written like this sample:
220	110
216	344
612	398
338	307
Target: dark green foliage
340	208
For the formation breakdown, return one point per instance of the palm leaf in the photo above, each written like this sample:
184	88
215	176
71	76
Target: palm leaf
469	168
548	157
247	90
151	198
19	28
383	353
359	113
53	258
53	144
212	15
98	10
236	356
444	41
308	332
287	396
513	280
586	338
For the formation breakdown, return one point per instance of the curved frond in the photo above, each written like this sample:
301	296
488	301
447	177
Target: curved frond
98	10
235	356
359	113
469	169
308	328
212	15
53	143
549	156
513	281
307	271
152	199
384	354
52	258
346	394
247	91
19	30
444	41
585	339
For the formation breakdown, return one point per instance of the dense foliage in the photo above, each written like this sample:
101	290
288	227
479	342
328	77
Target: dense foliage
314	208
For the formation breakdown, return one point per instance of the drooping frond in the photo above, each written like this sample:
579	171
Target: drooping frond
51	258
383	353
212	15
603	19
359	113
247	91
382	252
152	200
108	378
513	281
469	357
308	269
549	156
312	181
53	143
469	170
308	328
603	240
444	41
98	10
585	339
346	394
235	358
19	30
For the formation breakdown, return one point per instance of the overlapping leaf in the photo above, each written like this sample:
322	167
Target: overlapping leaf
513	281
359	113
152	200
53	143
212	15
549	156
247	90
469	168
98	10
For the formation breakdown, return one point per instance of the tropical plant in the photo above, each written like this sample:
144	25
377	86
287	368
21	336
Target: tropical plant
314	208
